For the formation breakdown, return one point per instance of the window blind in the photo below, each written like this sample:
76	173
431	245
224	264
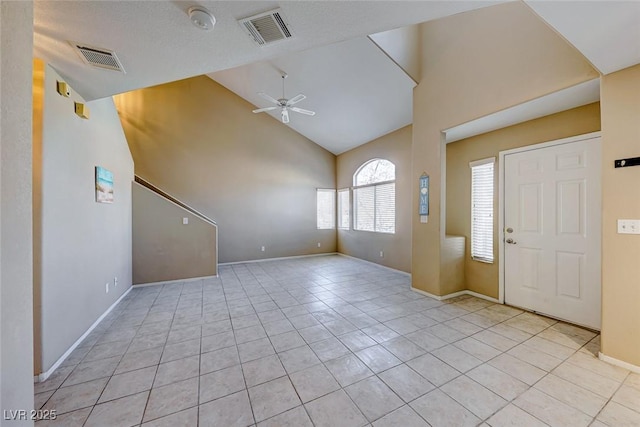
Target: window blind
326	209
482	183
343	209
375	208
364	208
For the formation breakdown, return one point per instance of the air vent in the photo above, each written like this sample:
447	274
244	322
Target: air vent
266	28
98	57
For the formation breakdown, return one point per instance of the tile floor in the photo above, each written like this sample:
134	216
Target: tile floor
331	341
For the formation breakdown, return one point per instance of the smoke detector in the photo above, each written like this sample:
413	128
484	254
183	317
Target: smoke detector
98	57
201	18
266	28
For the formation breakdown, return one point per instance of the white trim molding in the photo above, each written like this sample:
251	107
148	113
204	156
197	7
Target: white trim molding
44	375
169	282
278	258
455	294
620	363
376	264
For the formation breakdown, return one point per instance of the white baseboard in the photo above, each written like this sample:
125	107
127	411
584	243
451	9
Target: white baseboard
455	294
620	363
376	264
277	259
43	376
168	282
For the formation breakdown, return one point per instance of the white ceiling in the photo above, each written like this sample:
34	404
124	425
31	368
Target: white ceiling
156	43
357	92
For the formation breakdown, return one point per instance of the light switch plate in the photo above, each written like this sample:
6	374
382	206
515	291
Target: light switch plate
629	226
185	221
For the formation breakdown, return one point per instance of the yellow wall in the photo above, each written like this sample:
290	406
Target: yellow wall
395	147
620	99
474	64
254	176
479	276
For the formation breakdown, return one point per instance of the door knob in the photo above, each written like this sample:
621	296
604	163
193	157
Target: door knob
510	241
509	230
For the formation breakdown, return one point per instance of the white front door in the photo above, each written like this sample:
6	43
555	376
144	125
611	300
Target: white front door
552	227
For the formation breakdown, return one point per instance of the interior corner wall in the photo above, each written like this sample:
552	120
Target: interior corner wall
164	248
620	101
482	277
254	176
16	249
395	147
474	64
84	244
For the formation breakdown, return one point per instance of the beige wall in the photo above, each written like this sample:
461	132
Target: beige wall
16	250
253	175
620	98
163	247
474	64
395	147
479	276
84	244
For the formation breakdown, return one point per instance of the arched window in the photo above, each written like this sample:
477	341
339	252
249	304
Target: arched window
374	197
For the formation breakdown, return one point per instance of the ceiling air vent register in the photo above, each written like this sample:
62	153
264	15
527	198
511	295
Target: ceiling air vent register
267	28
98	57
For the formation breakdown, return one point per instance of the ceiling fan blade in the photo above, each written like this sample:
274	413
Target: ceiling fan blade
303	111
269	98
261	110
296	99
285	115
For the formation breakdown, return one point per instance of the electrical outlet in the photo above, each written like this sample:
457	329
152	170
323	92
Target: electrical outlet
381	254
115	281
261	248
629	226
319	244
106	287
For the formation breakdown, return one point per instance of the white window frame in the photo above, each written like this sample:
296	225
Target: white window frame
375	186
344	221
482	218
332	210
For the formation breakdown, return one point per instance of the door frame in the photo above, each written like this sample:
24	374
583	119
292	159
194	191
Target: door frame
501	195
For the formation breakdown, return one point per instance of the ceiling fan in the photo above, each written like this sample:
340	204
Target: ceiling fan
284	104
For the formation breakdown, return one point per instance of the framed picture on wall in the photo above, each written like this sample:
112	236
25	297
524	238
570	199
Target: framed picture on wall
104	185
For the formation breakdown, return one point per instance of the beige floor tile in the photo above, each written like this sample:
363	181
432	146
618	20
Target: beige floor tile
571	394
296	417
406	382
55	379
404	416
186	418
433	369
633	380
126	411
523	371
373	397
93	370
255	350
273	398
495	340
459	359
550	410
535	357
554	349
617	415
262	370
231	411
219	359
69	419
599	367
348	370
477	349
511	333
512	416
180	350
128	383
171	398
41	398
476	398
629	397
377	358
497	381
585	378
177	370
438	410
356	340
221	383
67	399
335	410
139	359
298	358
403	348
313	382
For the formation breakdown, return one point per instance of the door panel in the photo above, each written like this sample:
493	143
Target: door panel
552	203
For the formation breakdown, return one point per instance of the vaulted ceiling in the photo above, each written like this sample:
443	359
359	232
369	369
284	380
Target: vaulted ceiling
359	89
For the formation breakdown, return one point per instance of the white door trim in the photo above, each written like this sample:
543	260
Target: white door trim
501	156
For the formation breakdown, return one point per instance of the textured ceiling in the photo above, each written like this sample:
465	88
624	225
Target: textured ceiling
347	80
357	92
